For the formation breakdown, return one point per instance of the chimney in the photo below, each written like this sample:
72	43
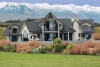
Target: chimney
74	18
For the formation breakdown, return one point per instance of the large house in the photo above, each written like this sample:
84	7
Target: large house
49	28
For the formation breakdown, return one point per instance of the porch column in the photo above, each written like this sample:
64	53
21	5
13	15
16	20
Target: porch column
80	36
22	38
43	32
92	38
63	36
58	30
68	35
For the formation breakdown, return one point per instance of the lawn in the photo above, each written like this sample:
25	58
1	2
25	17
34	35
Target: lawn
97	29
2	29
47	60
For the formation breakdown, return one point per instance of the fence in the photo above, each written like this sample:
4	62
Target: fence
74	42
51	42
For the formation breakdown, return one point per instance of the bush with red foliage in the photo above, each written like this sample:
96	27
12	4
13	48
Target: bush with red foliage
76	49
96	36
91	51
97	47
85	48
3	43
27	47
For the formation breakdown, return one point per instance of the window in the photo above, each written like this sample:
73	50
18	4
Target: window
52	26
86	28
25	34
79	34
14	30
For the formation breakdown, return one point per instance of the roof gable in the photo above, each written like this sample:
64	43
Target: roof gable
48	16
7	31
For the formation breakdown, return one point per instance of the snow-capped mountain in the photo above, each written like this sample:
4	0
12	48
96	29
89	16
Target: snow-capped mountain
22	11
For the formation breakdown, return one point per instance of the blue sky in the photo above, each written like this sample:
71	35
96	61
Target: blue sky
63	2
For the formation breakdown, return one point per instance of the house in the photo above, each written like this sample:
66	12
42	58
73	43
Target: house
49	28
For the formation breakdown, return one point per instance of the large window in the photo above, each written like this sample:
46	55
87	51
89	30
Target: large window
50	26
86	28
25	36
53	26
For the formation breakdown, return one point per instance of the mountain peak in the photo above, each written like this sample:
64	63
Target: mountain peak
41	9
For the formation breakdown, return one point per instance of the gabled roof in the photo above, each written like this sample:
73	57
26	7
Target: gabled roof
34	26
46	17
90	21
7	31
66	25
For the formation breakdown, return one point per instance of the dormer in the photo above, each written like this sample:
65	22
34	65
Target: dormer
86	26
14	29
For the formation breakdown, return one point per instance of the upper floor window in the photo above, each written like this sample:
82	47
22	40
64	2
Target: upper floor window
25	34
50	26
86	28
14	30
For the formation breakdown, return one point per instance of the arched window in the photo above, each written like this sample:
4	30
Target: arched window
86	28
14	30
25	34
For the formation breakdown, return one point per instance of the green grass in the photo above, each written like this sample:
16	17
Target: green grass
47	60
97	29
1	33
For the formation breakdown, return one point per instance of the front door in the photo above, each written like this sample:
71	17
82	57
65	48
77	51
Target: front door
14	39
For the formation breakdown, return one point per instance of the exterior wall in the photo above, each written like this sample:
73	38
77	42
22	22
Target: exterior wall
78	30
86	23
8	38
22	31
19	39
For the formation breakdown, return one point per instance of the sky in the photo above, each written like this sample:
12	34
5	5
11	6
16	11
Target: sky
63	2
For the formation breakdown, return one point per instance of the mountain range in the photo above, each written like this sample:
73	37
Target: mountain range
22	11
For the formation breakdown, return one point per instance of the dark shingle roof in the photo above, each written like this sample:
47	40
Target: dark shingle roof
90	21
66	25
19	25
34	26
81	21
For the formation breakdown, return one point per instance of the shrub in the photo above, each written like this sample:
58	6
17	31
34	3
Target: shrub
96	36
70	45
29	50
89	44
13	48
57	41
91	51
58	48
7	48
65	51
76	49
4	43
97	48
43	50
64	44
35	51
83	49
28	47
